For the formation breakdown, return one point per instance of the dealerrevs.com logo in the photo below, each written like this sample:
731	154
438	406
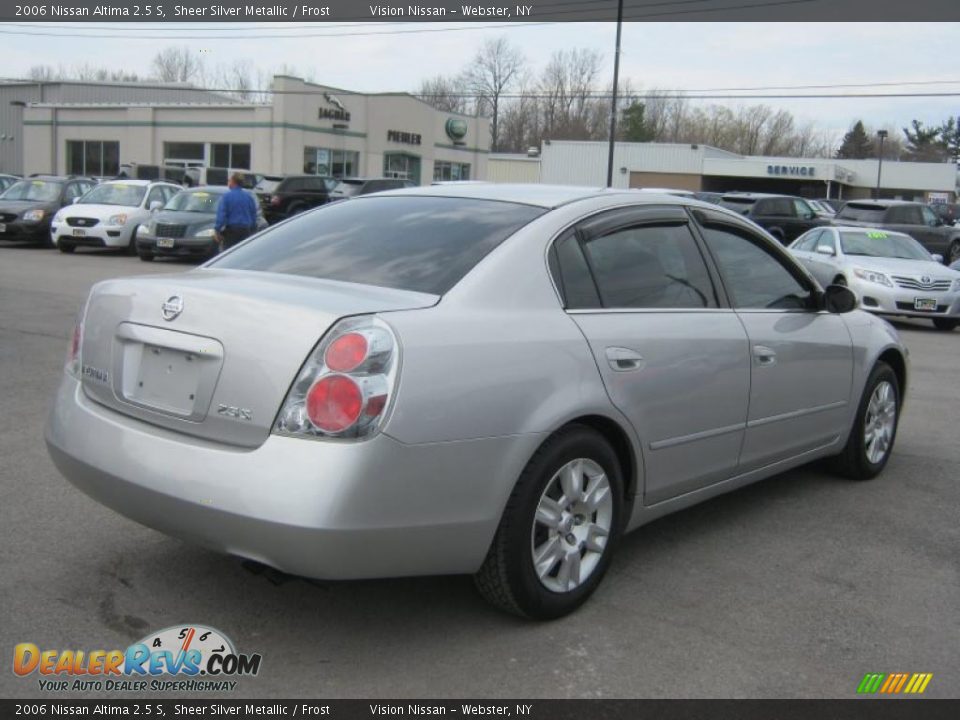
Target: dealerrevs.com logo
179	658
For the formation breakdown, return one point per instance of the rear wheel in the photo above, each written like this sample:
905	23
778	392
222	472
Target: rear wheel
66	247
875	429
840	280
559	529
945	324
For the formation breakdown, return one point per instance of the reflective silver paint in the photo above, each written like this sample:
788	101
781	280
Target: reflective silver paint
717	399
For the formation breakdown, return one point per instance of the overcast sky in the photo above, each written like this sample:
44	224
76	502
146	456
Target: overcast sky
691	56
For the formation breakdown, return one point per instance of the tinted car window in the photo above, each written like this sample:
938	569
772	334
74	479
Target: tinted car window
650	266
802	208
397	242
753	276
572	275
780	207
928	217
740	205
863	212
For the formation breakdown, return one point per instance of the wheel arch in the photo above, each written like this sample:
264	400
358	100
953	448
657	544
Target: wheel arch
619	440
894	358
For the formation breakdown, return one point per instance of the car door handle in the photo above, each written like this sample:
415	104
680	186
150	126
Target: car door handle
623	359
764	356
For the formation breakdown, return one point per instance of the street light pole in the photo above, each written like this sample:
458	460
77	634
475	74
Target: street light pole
882	134
613	102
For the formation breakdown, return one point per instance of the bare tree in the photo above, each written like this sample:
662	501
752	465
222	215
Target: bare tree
492	74
177	64
447	94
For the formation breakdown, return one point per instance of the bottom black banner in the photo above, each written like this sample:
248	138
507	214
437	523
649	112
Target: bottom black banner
861	709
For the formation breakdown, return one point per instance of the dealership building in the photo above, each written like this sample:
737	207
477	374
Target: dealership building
701	167
306	128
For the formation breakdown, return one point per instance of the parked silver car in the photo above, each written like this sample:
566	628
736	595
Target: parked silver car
488	379
890	272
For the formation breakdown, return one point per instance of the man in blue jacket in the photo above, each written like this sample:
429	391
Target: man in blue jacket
236	214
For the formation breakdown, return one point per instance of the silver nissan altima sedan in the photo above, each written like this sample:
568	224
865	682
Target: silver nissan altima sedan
487	379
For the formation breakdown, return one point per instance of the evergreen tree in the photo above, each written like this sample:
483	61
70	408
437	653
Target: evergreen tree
950	137
856	143
925	144
634	127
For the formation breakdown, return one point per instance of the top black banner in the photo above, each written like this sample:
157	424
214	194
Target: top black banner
496	11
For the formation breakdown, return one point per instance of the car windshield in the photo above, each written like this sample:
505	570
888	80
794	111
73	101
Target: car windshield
882	244
196	201
862	212
425	244
115	194
34	190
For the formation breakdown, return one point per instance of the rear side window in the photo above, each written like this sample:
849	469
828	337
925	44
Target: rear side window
425	244
650	266
863	212
739	205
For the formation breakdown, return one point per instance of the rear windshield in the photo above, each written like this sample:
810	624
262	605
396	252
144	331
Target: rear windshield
425	244
268	184
862	212
740	205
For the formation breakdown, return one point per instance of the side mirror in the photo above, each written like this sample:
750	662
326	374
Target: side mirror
937	258
825	250
155	205
839	299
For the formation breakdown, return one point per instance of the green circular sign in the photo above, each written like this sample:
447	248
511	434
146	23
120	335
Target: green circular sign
456	129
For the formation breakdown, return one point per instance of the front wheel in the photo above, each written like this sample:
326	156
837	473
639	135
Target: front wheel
945	324
145	255
66	247
559	529
875	428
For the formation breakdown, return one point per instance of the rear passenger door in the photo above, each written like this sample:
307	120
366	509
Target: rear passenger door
673	358
801	358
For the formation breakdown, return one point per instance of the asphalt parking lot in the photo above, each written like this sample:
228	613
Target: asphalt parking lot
795	587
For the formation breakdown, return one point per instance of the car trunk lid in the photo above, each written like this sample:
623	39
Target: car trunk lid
212	353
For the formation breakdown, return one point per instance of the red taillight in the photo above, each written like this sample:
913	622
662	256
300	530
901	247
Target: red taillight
334	403
75	343
275	201
346	353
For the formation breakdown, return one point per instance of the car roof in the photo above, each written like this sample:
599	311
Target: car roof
883	203
738	195
546	196
207	188
134	181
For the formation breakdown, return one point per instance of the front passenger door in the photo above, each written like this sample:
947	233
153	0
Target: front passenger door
674	360
801	358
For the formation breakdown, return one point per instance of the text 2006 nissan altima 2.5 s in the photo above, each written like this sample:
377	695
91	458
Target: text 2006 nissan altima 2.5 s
485	379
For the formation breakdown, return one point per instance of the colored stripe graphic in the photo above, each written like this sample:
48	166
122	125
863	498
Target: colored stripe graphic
894	683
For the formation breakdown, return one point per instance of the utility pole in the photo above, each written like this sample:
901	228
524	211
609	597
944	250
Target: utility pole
613	102
882	134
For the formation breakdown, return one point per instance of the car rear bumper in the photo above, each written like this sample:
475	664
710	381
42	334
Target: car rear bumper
333	510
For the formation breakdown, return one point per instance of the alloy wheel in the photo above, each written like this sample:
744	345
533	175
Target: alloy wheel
880	422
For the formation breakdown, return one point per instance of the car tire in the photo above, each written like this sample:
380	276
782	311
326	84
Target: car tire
860	460
953	253
145	256
131	248
945	324
66	247
579	537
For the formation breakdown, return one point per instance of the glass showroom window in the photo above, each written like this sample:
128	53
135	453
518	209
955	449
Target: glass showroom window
184	154
230	155
443	170
402	166
330	163
97	158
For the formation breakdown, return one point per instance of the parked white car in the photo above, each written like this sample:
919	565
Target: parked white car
108	215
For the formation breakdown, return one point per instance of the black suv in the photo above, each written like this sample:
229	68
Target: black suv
786	217
351	187
283	197
913	218
28	206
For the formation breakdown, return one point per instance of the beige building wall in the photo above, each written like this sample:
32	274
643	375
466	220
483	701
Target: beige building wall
297	118
513	169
